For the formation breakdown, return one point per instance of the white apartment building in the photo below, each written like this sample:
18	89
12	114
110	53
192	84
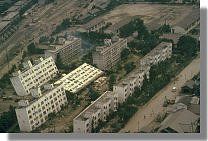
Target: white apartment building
80	77
127	86
32	114
160	53
135	79
105	57
95	112
68	49
33	75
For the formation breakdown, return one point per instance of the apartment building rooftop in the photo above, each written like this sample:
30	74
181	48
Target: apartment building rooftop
157	49
4	24
14	8
63	43
108	44
80	77
92	108
10	16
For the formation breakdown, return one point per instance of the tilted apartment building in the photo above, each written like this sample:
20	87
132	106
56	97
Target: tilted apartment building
79	78
33	75
34	112
95	112
106	57
68	49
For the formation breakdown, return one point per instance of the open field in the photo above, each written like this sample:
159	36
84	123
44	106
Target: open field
158	13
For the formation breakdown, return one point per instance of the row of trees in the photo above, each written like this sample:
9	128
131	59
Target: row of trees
6	5
95	37
4	81
66	23
7	120
32	49
136	25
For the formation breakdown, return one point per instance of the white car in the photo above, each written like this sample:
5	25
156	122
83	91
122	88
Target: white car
174	89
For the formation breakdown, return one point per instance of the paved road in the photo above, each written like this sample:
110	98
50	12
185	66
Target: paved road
149	111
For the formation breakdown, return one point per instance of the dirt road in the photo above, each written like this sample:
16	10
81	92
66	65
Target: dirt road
149	111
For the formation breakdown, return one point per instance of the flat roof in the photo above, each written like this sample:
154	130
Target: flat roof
10	16
66	43
3	24
80	77
14	8
92	108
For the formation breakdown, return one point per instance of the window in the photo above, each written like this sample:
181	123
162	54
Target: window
29	111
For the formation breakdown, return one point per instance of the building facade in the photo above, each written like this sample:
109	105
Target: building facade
105	57
68	50
98	111
31	115
160	53
33	76
95	25
135	78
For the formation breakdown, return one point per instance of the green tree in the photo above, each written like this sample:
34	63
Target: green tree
129	67
112	81
124	54
92	93
187	46
32	49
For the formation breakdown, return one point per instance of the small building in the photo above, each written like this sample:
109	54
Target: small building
95	25
176	107
182	121
188	87
191	102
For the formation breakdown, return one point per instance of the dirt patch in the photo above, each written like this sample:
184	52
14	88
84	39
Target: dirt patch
150	12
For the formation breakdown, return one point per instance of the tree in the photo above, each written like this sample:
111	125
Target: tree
112	81
129	67
124	54
92	93
66	23
7	119
187	46
32	49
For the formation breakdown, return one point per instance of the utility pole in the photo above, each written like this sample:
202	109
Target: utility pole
138	126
